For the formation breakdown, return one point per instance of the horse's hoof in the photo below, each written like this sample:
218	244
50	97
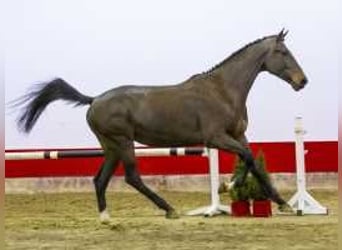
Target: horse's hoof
104	217
172	214
285	209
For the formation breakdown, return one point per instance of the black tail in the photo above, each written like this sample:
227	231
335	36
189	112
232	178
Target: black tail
44	94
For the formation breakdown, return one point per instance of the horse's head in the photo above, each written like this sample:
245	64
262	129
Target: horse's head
280	62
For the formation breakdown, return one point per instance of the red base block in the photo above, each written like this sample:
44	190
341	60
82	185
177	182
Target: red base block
240	208
262	208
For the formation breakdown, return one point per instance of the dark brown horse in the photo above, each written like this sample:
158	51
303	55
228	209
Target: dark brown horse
207	109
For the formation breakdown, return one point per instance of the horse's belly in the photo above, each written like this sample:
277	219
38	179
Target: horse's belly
166	138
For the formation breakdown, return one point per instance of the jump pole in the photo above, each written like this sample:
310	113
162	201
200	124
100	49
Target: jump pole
140	152
214	208
302	202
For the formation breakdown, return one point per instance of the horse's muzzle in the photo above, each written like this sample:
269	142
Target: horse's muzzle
299	81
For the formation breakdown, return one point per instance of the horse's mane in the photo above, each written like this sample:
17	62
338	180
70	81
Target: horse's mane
234	54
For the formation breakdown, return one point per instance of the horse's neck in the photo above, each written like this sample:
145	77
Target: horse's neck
239	73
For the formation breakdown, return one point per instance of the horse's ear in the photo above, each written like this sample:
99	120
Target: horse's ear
281	35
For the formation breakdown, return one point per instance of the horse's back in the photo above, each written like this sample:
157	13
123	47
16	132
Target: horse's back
149	113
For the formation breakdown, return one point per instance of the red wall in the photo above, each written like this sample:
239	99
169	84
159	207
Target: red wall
280	157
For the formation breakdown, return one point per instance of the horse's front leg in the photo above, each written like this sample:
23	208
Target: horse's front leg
240	180
227	143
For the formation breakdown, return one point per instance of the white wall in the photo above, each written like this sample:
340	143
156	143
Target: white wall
97	45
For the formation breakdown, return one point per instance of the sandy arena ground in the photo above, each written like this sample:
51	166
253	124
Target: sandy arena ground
70	221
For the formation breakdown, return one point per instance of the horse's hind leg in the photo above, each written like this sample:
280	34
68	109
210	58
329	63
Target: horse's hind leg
133	178
101	181
107	169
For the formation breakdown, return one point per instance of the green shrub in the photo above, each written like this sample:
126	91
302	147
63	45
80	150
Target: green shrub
251	189
256	191
240	193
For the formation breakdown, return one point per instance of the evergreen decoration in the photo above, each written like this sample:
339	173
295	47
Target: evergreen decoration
256	191
240	193
251	189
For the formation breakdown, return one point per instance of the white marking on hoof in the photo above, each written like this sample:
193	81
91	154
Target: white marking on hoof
104	216
231	185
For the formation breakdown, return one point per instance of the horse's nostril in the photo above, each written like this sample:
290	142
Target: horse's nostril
304	81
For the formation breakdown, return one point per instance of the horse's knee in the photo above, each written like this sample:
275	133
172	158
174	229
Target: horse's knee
247	157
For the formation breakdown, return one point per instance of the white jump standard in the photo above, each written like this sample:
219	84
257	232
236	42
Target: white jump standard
302	202
215	207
